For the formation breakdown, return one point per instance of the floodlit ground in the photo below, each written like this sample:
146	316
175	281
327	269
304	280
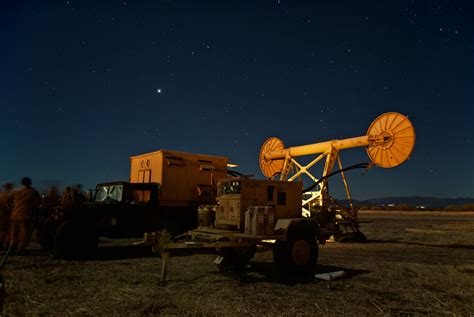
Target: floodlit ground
410	267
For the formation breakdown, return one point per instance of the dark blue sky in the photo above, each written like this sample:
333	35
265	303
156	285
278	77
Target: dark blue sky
79	85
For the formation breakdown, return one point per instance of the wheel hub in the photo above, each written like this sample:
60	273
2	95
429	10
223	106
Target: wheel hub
300	252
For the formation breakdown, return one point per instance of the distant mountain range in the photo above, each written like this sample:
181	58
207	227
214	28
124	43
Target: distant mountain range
427	202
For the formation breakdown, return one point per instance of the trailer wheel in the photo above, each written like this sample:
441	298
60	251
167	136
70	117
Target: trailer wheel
73	240
299	253
235	258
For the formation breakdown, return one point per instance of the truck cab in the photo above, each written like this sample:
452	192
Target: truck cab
124	209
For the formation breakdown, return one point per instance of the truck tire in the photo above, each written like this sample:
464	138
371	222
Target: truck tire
298	254
236	258
45	234
74	240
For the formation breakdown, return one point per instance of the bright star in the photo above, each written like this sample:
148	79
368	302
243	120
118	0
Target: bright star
158	90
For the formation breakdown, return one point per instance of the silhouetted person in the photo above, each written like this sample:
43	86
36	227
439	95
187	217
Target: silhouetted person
25	203
68	200
6	205
71	199
51	199
79	194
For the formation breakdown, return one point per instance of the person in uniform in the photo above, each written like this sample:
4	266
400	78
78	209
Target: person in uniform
72	198
51	198
6	204
66	198
25	203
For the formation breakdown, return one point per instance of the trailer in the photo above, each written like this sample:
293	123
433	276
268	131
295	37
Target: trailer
249	213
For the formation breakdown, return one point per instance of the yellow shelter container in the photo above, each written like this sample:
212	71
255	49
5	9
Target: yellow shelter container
186	179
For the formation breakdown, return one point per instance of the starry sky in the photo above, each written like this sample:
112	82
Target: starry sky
84	85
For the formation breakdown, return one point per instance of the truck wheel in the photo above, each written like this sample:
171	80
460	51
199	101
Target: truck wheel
63	240
299	253
73	240
236	258
45	234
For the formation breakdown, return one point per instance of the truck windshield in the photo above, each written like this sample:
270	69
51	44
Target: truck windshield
109	193
232	187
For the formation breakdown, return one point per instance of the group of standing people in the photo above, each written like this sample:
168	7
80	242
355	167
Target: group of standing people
17	210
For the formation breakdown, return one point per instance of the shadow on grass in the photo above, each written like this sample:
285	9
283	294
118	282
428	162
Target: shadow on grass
111	253
107	252
260	272
129	251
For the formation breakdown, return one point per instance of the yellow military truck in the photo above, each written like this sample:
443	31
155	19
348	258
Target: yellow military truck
164	191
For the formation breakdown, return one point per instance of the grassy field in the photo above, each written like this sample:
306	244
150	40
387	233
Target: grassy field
409	267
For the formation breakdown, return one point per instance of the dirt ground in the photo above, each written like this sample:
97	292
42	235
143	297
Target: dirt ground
411	266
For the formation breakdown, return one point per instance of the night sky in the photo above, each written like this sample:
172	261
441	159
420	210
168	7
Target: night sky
84	85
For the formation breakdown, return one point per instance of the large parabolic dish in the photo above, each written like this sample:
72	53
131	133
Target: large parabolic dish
393	138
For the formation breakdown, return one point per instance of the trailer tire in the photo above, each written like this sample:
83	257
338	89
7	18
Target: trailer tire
298	254
236	258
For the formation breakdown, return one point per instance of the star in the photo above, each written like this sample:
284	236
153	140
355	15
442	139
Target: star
158	91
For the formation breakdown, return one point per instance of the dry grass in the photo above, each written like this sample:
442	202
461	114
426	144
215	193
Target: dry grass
410	267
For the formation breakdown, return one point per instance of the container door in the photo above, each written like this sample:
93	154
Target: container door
144	176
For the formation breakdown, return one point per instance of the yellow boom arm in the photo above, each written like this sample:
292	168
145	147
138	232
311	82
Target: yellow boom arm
389	142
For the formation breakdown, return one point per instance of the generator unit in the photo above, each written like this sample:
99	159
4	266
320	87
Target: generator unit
236	195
